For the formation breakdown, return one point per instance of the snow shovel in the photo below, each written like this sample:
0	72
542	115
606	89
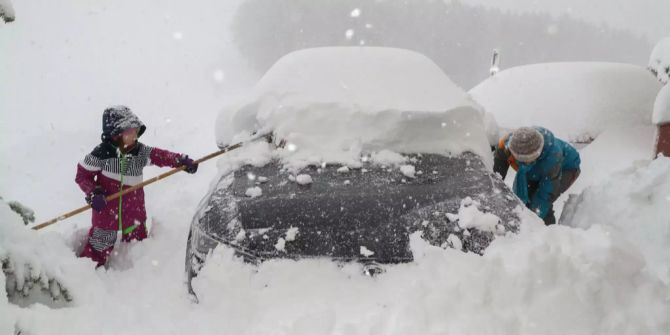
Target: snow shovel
152	180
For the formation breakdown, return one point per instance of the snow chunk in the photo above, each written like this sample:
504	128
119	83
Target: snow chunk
254	192
387	157
262	179
280	245
595	96
355	13
408	170
366	252
469	216
241	235
659	61
343	169
291	233
304	179
455	242
635	203
662	106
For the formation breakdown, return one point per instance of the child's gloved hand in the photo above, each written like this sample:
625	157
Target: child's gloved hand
97	199
190	165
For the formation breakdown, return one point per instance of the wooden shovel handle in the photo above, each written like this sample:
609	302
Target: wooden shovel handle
144	183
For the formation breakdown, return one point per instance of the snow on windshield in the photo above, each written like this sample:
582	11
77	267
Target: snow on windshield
576	100
333	104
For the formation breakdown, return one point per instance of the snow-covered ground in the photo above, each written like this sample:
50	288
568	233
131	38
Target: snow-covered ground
607	276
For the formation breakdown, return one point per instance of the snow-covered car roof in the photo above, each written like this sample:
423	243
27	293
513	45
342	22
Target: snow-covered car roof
333	103
575	100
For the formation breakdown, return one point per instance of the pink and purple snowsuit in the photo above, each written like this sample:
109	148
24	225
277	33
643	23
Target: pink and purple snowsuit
109	169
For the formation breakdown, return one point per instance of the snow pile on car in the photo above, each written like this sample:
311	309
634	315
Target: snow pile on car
659	61
334	104
634	202
577	101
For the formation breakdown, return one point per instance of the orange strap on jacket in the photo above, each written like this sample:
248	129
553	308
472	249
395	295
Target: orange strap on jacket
510	157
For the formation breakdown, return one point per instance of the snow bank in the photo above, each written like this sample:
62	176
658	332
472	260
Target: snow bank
38	266
662	107
543	281
659	61
614	150
333	104
635	204
576	101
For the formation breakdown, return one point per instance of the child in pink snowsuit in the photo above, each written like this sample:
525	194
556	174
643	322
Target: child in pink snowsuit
114	164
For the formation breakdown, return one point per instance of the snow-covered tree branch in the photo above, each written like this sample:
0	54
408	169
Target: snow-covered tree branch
7	11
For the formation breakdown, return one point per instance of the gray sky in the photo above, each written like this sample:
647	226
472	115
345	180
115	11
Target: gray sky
644	17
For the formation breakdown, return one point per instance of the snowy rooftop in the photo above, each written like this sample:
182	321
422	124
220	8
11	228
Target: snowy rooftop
334	103
575	100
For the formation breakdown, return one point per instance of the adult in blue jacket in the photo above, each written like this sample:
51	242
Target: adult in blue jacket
545	167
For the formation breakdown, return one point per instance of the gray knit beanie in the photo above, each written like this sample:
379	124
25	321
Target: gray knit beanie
526	144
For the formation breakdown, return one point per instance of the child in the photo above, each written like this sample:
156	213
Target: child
115	163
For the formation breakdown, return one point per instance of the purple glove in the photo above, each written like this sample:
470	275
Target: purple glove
190	165
97	199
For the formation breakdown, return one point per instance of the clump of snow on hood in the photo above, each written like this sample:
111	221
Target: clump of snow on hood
254	192
387	157
635	203
336	104
281	244
574	100
408	170
662	106
343	169
659	61
366	252
303	179
455	242
469	216
291	233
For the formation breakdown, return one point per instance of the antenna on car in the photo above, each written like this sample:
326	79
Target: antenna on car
495	62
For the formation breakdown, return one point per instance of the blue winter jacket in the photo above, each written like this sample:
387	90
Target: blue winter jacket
557	156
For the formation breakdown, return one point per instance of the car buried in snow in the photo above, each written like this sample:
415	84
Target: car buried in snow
368	146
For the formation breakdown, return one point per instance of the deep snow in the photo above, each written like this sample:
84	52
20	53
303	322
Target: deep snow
607	278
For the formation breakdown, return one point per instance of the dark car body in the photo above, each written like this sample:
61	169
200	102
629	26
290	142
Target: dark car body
344	216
